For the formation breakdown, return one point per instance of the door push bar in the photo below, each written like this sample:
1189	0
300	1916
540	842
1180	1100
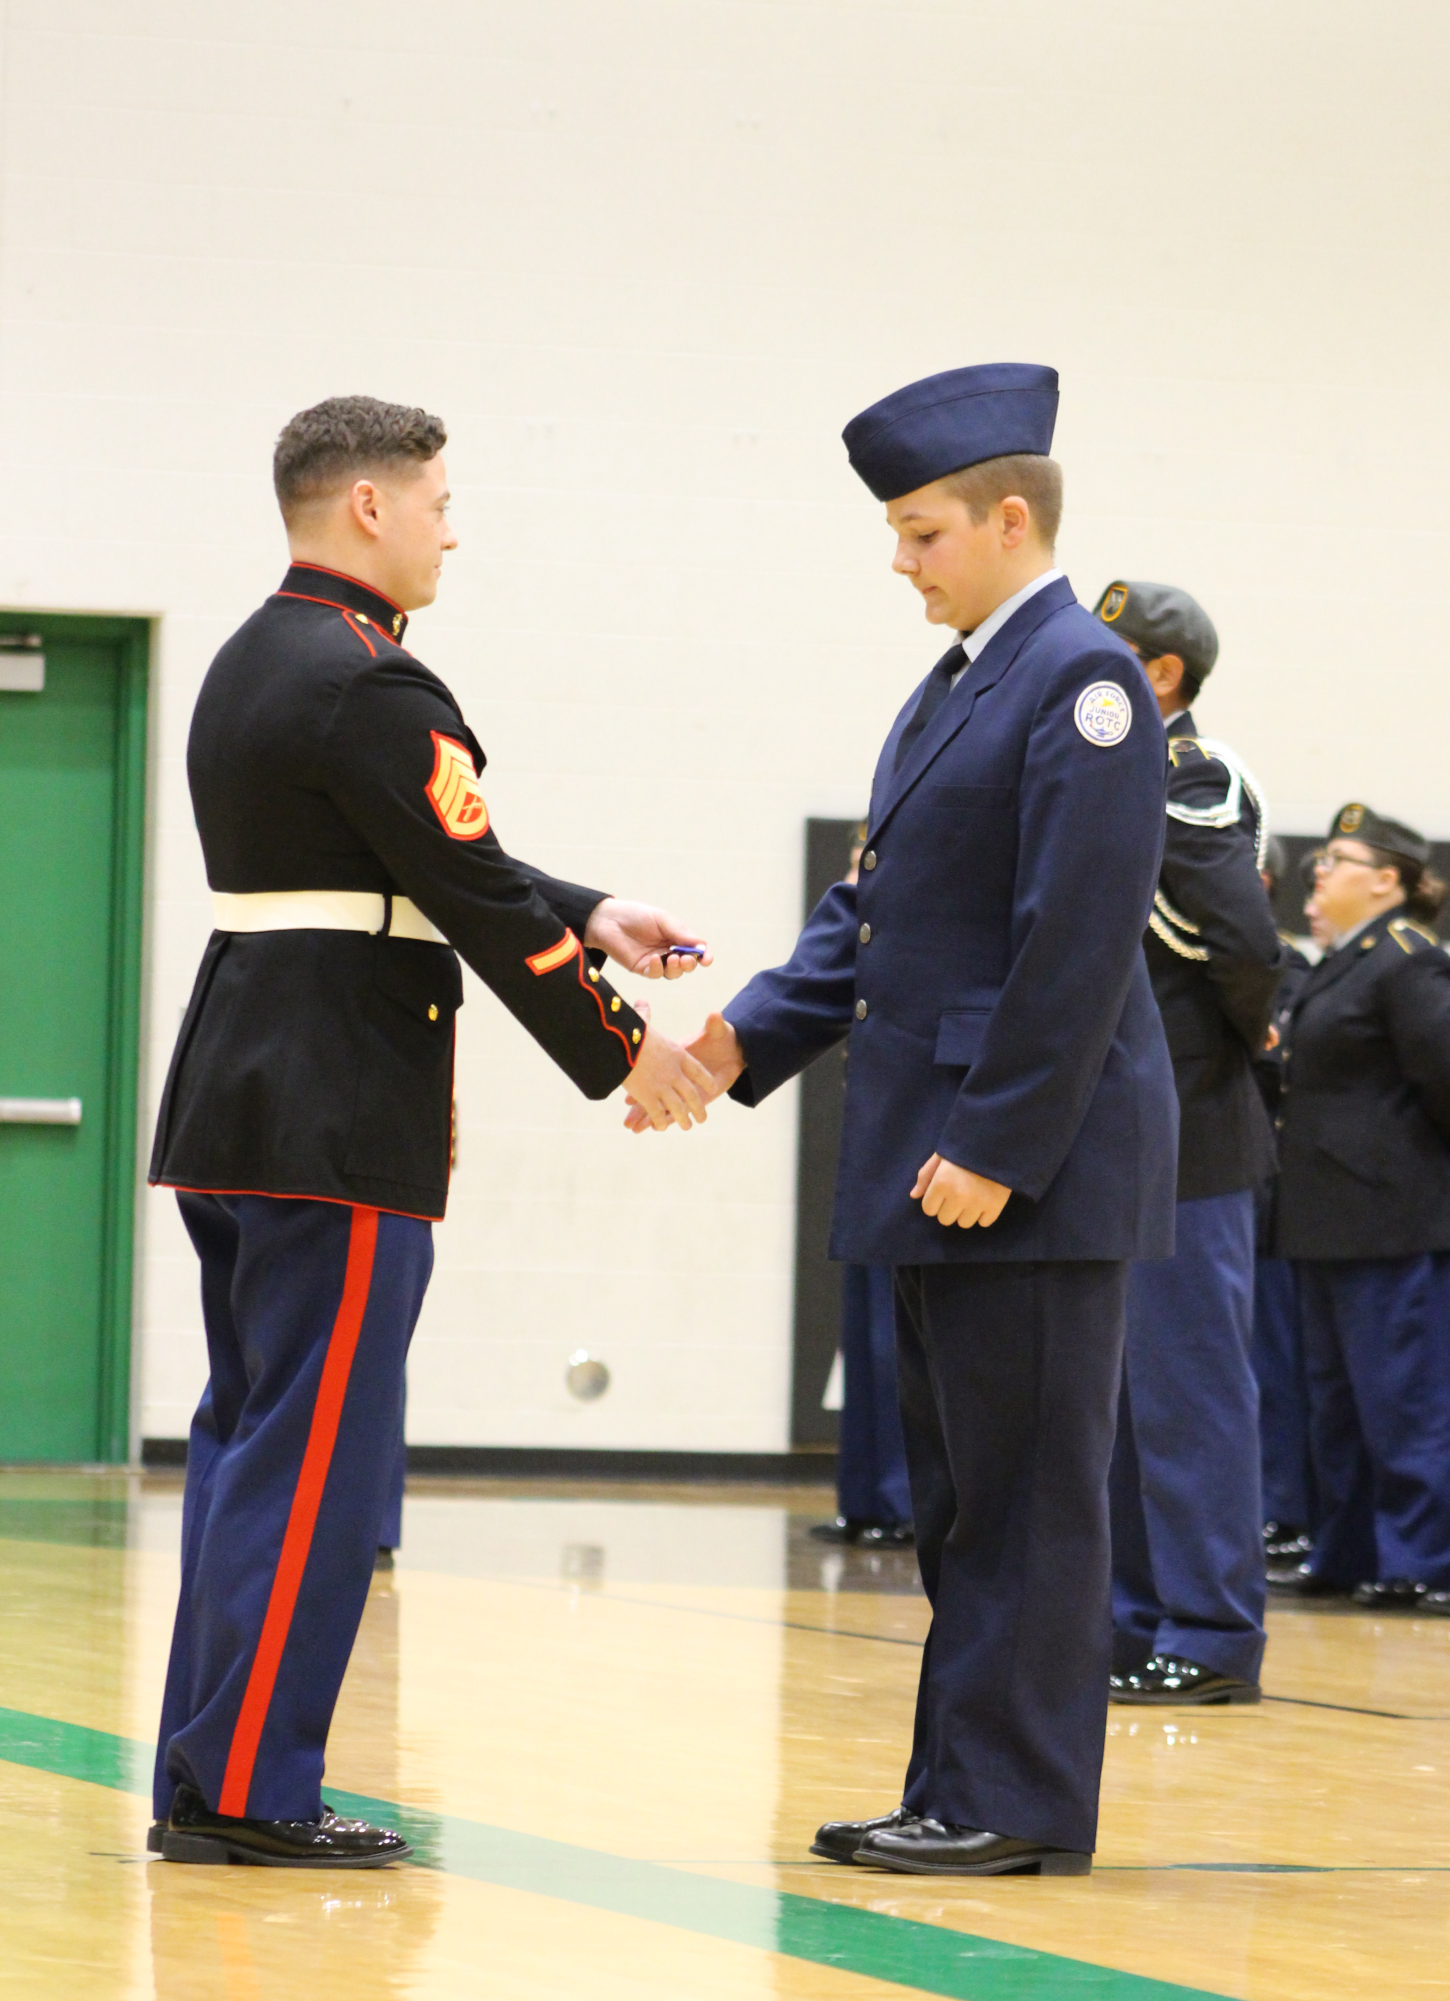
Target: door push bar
40	1111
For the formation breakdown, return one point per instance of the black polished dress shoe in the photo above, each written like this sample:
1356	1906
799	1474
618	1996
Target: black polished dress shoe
892	1535
931	1848
838	1840
1283	1543
1166	1680
1301	1582
842	1529
195	1834
1395	1594
1436	1603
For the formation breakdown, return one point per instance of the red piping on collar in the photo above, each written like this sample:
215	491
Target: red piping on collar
343	577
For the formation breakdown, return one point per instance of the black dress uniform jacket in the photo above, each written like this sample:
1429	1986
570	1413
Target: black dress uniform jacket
1364	1119
323	756
1215	960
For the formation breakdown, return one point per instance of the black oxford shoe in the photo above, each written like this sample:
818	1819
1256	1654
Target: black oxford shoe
893	1535
1301	1582
1396	1594
842	1529
1165	1680
838	1840
931	1848
1436	1603
1283	1543
196	1834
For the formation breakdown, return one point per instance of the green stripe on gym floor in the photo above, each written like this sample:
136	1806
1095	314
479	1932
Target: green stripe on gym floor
929	1958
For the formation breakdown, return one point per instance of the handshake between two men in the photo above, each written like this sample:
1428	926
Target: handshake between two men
673	1083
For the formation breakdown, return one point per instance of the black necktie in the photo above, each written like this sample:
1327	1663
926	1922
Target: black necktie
938	687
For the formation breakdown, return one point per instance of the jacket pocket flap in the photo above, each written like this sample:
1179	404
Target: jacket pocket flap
424	979
960	1035
1365	1161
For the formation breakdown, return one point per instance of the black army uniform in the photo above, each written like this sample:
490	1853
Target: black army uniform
1364	1212
1188	1574
306	1122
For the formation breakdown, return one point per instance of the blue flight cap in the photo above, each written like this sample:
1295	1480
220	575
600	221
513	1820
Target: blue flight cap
946	422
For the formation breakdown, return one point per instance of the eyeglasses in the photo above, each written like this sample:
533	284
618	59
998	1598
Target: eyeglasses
1325	862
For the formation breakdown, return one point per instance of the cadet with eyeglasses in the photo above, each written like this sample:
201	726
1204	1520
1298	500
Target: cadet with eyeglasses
1364	1212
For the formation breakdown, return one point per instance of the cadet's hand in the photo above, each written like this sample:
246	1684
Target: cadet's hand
718	1048
667	1085
956	1195
638	937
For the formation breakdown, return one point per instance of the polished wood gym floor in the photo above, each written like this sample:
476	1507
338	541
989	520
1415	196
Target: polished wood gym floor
612	1718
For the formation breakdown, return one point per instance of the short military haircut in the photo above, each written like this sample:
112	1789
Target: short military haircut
1036	480
347	438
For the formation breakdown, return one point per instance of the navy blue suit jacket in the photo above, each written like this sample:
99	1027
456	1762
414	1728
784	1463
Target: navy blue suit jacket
1009	1023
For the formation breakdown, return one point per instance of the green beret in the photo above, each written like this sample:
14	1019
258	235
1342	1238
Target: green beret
1158	619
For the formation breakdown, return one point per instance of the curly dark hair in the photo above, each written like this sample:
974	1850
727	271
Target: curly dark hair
346	438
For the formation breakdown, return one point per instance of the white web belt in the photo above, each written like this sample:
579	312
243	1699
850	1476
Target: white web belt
322	910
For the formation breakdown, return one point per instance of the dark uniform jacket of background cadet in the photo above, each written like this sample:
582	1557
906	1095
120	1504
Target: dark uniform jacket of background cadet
1216	1008
1365	1114
319	1063
988	966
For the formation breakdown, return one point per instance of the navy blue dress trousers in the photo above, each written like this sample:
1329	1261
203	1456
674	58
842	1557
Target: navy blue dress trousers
1278	1357
390	1530
309	1308
988	969
871	1479
1377	1350
1188	1568
1009	1383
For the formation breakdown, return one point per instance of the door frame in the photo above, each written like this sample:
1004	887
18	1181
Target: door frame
123	1015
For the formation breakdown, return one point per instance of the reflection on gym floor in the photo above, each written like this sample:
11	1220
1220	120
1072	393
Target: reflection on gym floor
612	1717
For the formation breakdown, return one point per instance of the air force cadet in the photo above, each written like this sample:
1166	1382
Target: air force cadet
305	1119
1364	1212
1010	1129
1188	1565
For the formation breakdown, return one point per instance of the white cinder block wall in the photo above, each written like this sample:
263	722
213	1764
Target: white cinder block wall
646	259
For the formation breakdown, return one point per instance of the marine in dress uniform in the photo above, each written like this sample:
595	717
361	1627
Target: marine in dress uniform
1188	1568
1364	1212
989	972
305	1123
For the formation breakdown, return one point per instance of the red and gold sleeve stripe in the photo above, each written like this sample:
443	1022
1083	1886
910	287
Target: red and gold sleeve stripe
556	956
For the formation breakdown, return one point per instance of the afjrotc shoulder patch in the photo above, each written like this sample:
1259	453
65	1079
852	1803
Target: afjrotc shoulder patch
454	791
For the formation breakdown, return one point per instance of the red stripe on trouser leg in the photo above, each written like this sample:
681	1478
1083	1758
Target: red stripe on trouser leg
302	1520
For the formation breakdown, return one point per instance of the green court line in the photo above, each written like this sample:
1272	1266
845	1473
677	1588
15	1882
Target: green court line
931	1959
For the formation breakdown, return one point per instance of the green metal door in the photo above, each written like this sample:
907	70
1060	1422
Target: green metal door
72	779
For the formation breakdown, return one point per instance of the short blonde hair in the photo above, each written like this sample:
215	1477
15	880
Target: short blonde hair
1036	480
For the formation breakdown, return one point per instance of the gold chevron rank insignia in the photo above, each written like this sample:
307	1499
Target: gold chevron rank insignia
454	791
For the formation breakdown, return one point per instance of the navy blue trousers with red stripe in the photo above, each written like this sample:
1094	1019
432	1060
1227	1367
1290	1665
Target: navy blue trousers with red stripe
309	1309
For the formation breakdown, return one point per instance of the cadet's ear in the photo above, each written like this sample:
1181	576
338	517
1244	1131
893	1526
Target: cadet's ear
1165	674
1016	519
